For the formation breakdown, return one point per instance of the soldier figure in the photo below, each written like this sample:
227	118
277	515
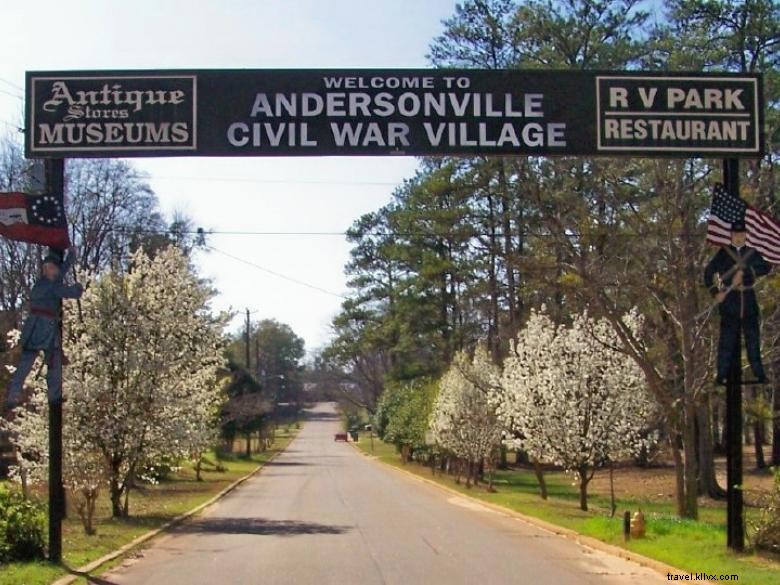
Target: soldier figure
41	331
738	267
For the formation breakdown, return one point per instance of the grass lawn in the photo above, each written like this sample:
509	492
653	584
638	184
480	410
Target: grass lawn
150	508
696	547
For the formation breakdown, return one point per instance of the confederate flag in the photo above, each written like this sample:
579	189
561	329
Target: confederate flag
38	219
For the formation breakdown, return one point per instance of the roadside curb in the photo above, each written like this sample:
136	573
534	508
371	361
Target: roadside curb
84	572
588	541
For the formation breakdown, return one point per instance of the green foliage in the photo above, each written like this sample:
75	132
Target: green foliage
352	419
766	535
404	412
275	354
22	525
158	470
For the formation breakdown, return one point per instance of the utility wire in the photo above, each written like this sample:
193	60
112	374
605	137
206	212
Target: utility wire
385	234
273	181
13	95
11	125
12	84
277	274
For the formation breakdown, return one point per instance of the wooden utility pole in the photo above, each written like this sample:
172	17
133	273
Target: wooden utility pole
55	179
248	340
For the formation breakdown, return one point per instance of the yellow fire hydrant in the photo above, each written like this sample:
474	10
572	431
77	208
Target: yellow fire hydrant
638	525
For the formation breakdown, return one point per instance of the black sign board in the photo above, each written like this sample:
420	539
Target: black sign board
386	112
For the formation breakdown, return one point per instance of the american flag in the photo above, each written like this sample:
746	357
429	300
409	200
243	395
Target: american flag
763	231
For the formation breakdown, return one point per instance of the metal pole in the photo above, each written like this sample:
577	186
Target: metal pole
56	185
735	526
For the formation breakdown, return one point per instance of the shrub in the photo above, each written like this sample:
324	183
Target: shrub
403	415
158	471
766	535
22	525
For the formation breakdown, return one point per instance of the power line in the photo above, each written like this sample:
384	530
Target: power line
227	232
384	234
274	181
12	84
13	95
277	274
11	125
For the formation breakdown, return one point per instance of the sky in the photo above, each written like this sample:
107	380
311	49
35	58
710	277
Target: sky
294	278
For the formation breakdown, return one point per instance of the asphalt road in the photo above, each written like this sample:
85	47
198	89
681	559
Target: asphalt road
323	513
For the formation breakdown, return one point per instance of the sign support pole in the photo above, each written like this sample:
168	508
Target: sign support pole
55	176
735	527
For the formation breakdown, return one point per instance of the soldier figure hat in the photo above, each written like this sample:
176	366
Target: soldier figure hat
738	226
52	259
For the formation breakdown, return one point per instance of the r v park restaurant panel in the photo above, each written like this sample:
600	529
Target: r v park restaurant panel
391	112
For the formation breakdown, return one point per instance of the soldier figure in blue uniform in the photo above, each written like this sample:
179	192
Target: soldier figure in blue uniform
41	331
738	266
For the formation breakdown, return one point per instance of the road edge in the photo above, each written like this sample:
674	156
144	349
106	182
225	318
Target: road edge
588	541
84	572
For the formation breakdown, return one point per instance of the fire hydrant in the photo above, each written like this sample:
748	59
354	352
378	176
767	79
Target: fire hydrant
638	525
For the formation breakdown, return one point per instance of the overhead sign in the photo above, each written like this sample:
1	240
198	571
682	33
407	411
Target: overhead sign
391	112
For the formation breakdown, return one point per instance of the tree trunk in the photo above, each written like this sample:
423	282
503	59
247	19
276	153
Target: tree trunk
115	491
248	451
679	475
539	472
584	480
198	466
708	482
509	261
758	430
758	443
502	461
130	480
691	467
405	454
25	483
612	503
776	419
86	509
494	333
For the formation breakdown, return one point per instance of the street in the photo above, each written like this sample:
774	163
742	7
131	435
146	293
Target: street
324	513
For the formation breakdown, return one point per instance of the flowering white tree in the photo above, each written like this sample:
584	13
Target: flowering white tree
464	422
201	431
571	398
144	358
144	355
28	429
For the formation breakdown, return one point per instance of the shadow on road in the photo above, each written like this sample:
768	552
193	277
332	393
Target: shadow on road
322	416
258	526
277	463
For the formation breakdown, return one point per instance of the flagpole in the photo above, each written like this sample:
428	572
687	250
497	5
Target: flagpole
735	527
55	179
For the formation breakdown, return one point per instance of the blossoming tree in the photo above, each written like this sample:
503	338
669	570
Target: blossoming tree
572	398
141	386
464	422
145	355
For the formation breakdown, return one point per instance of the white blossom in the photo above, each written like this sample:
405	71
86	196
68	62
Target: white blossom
141	386
569	397
464	422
